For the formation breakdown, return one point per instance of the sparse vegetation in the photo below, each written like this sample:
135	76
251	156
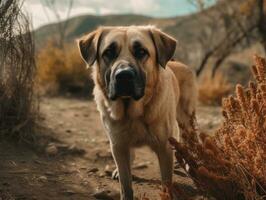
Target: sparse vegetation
18	105
232	164
62	71
213	89
70	157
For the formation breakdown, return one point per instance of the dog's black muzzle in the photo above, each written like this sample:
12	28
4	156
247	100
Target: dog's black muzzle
126	82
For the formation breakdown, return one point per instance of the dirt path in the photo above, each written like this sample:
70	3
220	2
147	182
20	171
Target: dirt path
78	163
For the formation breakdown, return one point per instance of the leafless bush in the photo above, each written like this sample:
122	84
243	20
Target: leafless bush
232	164
17	67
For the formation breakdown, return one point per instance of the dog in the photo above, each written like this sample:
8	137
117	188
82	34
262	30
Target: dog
141	95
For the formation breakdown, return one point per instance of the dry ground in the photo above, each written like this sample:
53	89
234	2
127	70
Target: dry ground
76	163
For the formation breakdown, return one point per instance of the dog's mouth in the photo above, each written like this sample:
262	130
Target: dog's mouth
126	83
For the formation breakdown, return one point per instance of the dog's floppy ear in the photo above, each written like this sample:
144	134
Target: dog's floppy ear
164	44
88	46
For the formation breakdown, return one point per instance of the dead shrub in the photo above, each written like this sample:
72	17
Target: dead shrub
231	164
213	89
62	71
18	104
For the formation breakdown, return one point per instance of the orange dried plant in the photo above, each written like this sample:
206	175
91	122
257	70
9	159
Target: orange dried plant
231	164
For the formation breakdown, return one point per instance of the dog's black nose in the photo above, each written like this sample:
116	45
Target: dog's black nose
125	74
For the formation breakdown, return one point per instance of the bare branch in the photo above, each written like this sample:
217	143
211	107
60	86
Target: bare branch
61	25
17	71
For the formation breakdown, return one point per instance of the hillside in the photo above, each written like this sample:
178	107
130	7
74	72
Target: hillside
77	26
188	30
185	28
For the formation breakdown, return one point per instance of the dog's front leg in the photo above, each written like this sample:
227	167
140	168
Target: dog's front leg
121	154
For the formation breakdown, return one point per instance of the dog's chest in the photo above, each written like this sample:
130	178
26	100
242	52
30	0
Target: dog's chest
132	132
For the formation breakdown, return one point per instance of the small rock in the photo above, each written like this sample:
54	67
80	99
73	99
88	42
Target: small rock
51	150
102	174
104	155
95	169
49	173
73	149
69	192
42	178
141	165
38	162
68	131
83	168
85	183
108	170
13	163
103	195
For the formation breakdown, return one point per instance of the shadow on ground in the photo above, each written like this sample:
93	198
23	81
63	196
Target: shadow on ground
46	172
72	160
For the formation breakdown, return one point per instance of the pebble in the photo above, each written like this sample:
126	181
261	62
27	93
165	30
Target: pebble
38	162
95	169
102	174
108	170
69	192
104	155
106	195
141	165
13	163
49	173
83	168
42	178
51	150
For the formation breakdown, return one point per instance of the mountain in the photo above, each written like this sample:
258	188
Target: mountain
77	26
195	33
185	28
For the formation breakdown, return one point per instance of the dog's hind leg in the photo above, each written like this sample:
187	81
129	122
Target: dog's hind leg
185	116
188	95
187	105
165	157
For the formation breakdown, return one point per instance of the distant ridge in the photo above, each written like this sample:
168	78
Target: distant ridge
188	30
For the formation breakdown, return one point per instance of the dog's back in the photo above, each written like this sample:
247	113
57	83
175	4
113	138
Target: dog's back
188	92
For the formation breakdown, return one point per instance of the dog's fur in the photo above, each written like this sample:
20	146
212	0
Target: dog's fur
169	98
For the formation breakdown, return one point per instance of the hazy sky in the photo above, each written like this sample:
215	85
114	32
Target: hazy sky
38	10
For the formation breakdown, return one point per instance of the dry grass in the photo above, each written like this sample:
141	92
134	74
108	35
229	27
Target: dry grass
18	105
231	165
62	71
213	89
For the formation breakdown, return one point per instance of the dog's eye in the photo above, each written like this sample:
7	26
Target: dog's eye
110	54
140	53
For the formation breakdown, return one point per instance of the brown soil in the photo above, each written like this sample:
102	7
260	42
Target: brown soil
77	163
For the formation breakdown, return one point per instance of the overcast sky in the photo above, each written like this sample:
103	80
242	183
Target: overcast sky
41	15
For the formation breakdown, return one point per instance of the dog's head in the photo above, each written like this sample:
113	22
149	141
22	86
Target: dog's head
127	57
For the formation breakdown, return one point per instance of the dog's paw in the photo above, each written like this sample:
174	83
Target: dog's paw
115	174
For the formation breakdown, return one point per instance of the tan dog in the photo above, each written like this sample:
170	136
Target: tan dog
141	96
